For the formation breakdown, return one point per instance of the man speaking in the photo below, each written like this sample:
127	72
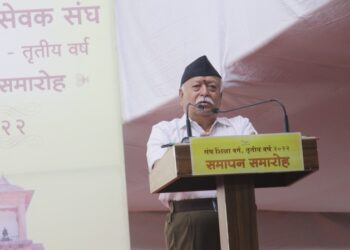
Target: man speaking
192	221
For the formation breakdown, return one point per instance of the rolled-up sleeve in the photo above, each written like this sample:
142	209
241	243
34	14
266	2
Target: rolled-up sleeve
158	137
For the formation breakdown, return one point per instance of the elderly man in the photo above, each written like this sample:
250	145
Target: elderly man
192	223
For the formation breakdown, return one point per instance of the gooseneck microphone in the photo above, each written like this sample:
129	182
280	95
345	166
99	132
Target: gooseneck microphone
188	122
286	122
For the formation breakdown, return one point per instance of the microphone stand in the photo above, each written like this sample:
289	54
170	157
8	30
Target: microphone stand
286	121
188	124
188	127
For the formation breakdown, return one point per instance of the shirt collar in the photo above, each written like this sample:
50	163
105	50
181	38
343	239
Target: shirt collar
220	120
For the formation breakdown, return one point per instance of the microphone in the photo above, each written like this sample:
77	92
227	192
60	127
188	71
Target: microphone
286	122
188	122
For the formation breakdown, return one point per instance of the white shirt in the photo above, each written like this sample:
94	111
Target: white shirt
175	130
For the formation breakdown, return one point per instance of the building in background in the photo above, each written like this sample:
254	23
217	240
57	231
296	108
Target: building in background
14	202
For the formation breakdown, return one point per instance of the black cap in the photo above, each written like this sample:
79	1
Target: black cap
199	67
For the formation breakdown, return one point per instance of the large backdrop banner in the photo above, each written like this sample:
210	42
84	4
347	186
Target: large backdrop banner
60	129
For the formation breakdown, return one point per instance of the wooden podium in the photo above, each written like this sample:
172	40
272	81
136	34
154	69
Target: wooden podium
235	192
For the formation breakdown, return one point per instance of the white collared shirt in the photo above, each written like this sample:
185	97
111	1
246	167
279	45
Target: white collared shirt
174	131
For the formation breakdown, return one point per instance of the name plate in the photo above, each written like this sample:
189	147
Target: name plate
262	153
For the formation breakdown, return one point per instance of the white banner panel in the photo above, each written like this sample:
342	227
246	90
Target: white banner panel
60	131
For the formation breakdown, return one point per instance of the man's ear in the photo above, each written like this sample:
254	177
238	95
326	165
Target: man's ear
181	93
221	94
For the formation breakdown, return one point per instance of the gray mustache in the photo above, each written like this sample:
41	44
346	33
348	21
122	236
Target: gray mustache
204	99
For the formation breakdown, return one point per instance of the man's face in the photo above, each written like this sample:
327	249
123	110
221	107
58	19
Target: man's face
202	90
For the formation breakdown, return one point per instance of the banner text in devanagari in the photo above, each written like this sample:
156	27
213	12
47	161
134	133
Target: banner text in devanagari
42	82
44	49
12	127
12	17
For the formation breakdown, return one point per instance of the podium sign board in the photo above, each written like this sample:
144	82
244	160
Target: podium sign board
247	154
270	160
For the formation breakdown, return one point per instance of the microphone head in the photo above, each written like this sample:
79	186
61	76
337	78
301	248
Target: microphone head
201	108
215	110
